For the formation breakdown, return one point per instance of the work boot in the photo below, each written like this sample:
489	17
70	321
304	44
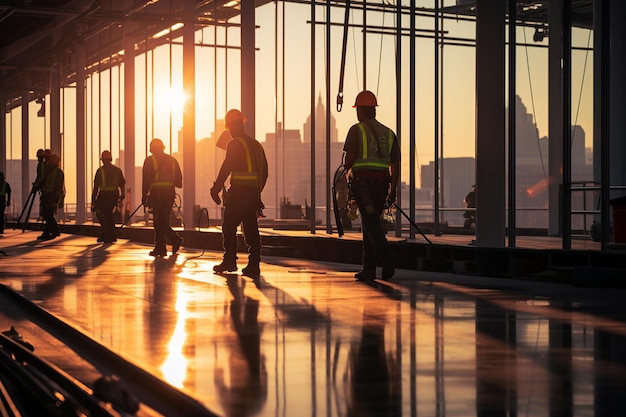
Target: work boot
176	245
388	265
388	271
252	269
157	252
368	273
226	266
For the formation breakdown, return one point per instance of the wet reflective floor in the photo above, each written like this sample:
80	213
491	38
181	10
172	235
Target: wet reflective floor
305	339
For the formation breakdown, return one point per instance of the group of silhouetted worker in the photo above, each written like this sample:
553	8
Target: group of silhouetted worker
371	158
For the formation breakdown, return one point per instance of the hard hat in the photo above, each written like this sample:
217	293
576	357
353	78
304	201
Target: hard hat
54	159
365	99
234	115
156	144
106	155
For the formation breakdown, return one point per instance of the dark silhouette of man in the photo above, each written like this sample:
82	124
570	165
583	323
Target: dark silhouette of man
108	190
372	154
246	165
161	176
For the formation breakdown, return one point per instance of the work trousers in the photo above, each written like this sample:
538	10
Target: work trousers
370	195
2	208
241	207
48	211
162	203
105	203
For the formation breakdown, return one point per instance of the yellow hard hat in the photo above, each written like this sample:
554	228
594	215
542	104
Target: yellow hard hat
365	99
106	155
233	115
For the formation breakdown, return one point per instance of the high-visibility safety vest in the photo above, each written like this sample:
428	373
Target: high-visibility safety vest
249	178
103	183
375	152
50	181
156	182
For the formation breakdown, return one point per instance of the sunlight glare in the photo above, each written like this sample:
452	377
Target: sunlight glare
172	99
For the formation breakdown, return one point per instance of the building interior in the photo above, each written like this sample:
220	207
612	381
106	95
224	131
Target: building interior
520	99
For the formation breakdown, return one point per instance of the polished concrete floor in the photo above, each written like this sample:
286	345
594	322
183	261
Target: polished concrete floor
305	339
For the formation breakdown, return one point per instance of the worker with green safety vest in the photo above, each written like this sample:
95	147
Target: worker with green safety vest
372	156
52	192
161	176
5	199
108	193
246	165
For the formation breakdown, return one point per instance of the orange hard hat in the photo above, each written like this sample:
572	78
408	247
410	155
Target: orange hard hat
365	99
233	115
156	145
106	155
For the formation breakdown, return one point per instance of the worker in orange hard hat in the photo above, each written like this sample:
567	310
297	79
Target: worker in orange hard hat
365	99
246	165
372	155
233	115
108	191
161	176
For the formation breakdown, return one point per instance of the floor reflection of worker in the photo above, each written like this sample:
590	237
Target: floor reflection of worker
246	391
374	382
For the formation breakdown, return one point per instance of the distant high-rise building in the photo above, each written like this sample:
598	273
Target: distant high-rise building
289	160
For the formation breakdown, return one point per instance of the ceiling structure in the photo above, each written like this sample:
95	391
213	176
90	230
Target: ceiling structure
38	38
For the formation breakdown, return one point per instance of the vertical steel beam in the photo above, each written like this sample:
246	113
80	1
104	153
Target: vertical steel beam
26	187
512	122
555	117
80	157
490	130
248	64
129	119
189	115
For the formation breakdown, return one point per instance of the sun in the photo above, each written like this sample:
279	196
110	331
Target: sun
171	99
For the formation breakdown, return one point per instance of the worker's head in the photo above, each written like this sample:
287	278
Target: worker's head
106	157
157	146
40	154
234	120
53	159
365	104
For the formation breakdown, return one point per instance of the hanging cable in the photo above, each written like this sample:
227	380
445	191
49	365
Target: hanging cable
344	41
532	100
582	82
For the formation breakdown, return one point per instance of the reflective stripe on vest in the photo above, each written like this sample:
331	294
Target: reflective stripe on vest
156	182
104	186
248	178
367	159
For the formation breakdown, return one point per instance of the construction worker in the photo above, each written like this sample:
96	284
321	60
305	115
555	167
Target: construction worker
161	175
246	165
372	154
52	186
108	190
5	199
